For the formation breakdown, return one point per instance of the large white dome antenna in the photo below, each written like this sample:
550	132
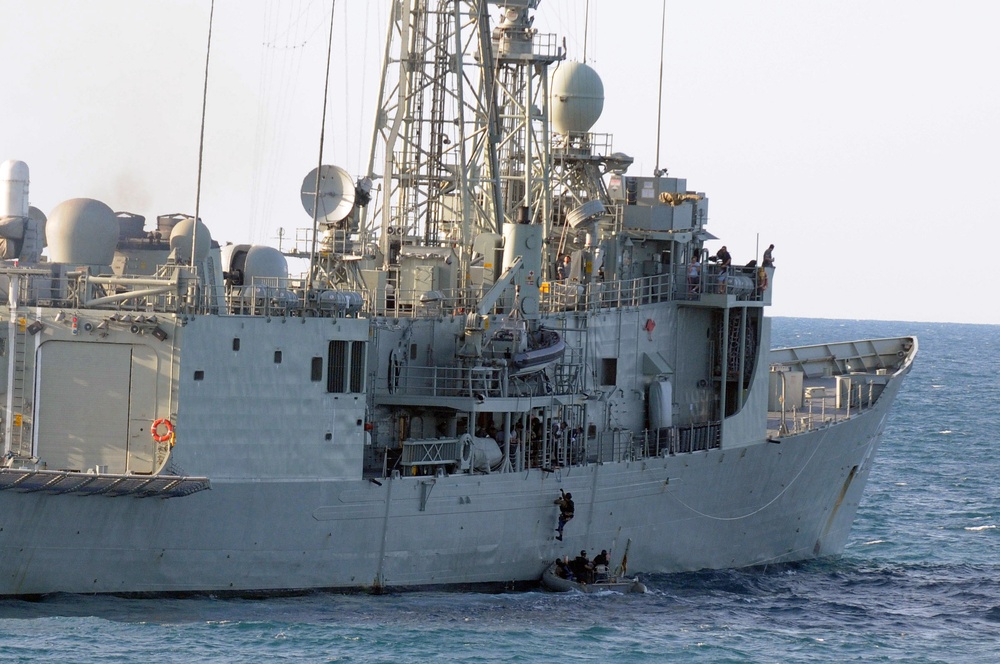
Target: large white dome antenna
336	194
576	98
82	231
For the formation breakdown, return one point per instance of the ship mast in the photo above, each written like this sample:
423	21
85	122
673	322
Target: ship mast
523	57
461	131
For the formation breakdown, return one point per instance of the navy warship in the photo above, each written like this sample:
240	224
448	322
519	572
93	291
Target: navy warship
496	312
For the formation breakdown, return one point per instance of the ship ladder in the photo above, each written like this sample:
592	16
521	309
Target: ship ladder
569	372
19	386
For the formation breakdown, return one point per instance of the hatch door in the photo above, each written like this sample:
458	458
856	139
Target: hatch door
81	405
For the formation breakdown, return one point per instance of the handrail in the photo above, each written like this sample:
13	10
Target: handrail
288	296
474	382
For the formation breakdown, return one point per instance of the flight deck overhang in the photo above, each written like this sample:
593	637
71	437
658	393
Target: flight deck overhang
26	480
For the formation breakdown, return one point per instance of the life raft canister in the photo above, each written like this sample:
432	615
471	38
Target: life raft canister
167	435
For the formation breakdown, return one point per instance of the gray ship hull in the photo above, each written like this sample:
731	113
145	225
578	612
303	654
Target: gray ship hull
764	503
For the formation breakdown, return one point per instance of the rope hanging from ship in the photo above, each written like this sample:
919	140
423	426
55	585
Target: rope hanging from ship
759	509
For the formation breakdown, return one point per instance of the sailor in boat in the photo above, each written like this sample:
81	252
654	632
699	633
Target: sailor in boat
582	568
563	571
601	563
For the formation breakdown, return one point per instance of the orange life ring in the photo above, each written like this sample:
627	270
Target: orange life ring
162	437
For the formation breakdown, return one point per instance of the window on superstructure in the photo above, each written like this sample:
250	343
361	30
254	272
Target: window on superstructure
346	367
337	367
236	343
316	372
277	357
357	366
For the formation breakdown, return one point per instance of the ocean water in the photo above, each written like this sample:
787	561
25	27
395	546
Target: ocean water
918	582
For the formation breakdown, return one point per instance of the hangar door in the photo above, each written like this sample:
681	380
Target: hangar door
86	396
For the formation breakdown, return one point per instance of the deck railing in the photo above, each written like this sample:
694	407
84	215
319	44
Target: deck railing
474	382
570	295
180	291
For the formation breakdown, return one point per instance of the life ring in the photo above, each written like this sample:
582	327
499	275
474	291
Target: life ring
162	437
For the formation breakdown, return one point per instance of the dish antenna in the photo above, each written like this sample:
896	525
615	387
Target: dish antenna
336	194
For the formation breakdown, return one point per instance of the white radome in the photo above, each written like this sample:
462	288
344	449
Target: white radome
577	98
265	262
180	239
83	231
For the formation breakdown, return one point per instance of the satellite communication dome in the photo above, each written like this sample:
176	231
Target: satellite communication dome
180	239
576	98
264	261
82	231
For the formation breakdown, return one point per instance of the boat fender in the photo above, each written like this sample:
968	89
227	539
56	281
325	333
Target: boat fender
168	433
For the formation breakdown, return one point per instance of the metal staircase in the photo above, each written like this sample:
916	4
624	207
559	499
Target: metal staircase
570	373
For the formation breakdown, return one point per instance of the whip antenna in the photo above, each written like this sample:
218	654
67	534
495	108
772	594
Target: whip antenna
659	103
319	165
201	140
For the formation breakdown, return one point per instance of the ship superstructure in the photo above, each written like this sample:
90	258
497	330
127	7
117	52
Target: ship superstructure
495	312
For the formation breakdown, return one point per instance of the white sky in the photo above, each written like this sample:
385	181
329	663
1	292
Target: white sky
860	137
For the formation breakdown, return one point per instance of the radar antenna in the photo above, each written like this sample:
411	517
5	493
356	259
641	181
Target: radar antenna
336	194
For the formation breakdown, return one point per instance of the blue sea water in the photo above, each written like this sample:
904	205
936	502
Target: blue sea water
918	582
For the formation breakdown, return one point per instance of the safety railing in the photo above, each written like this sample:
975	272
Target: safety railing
573	448
474	382
840	398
